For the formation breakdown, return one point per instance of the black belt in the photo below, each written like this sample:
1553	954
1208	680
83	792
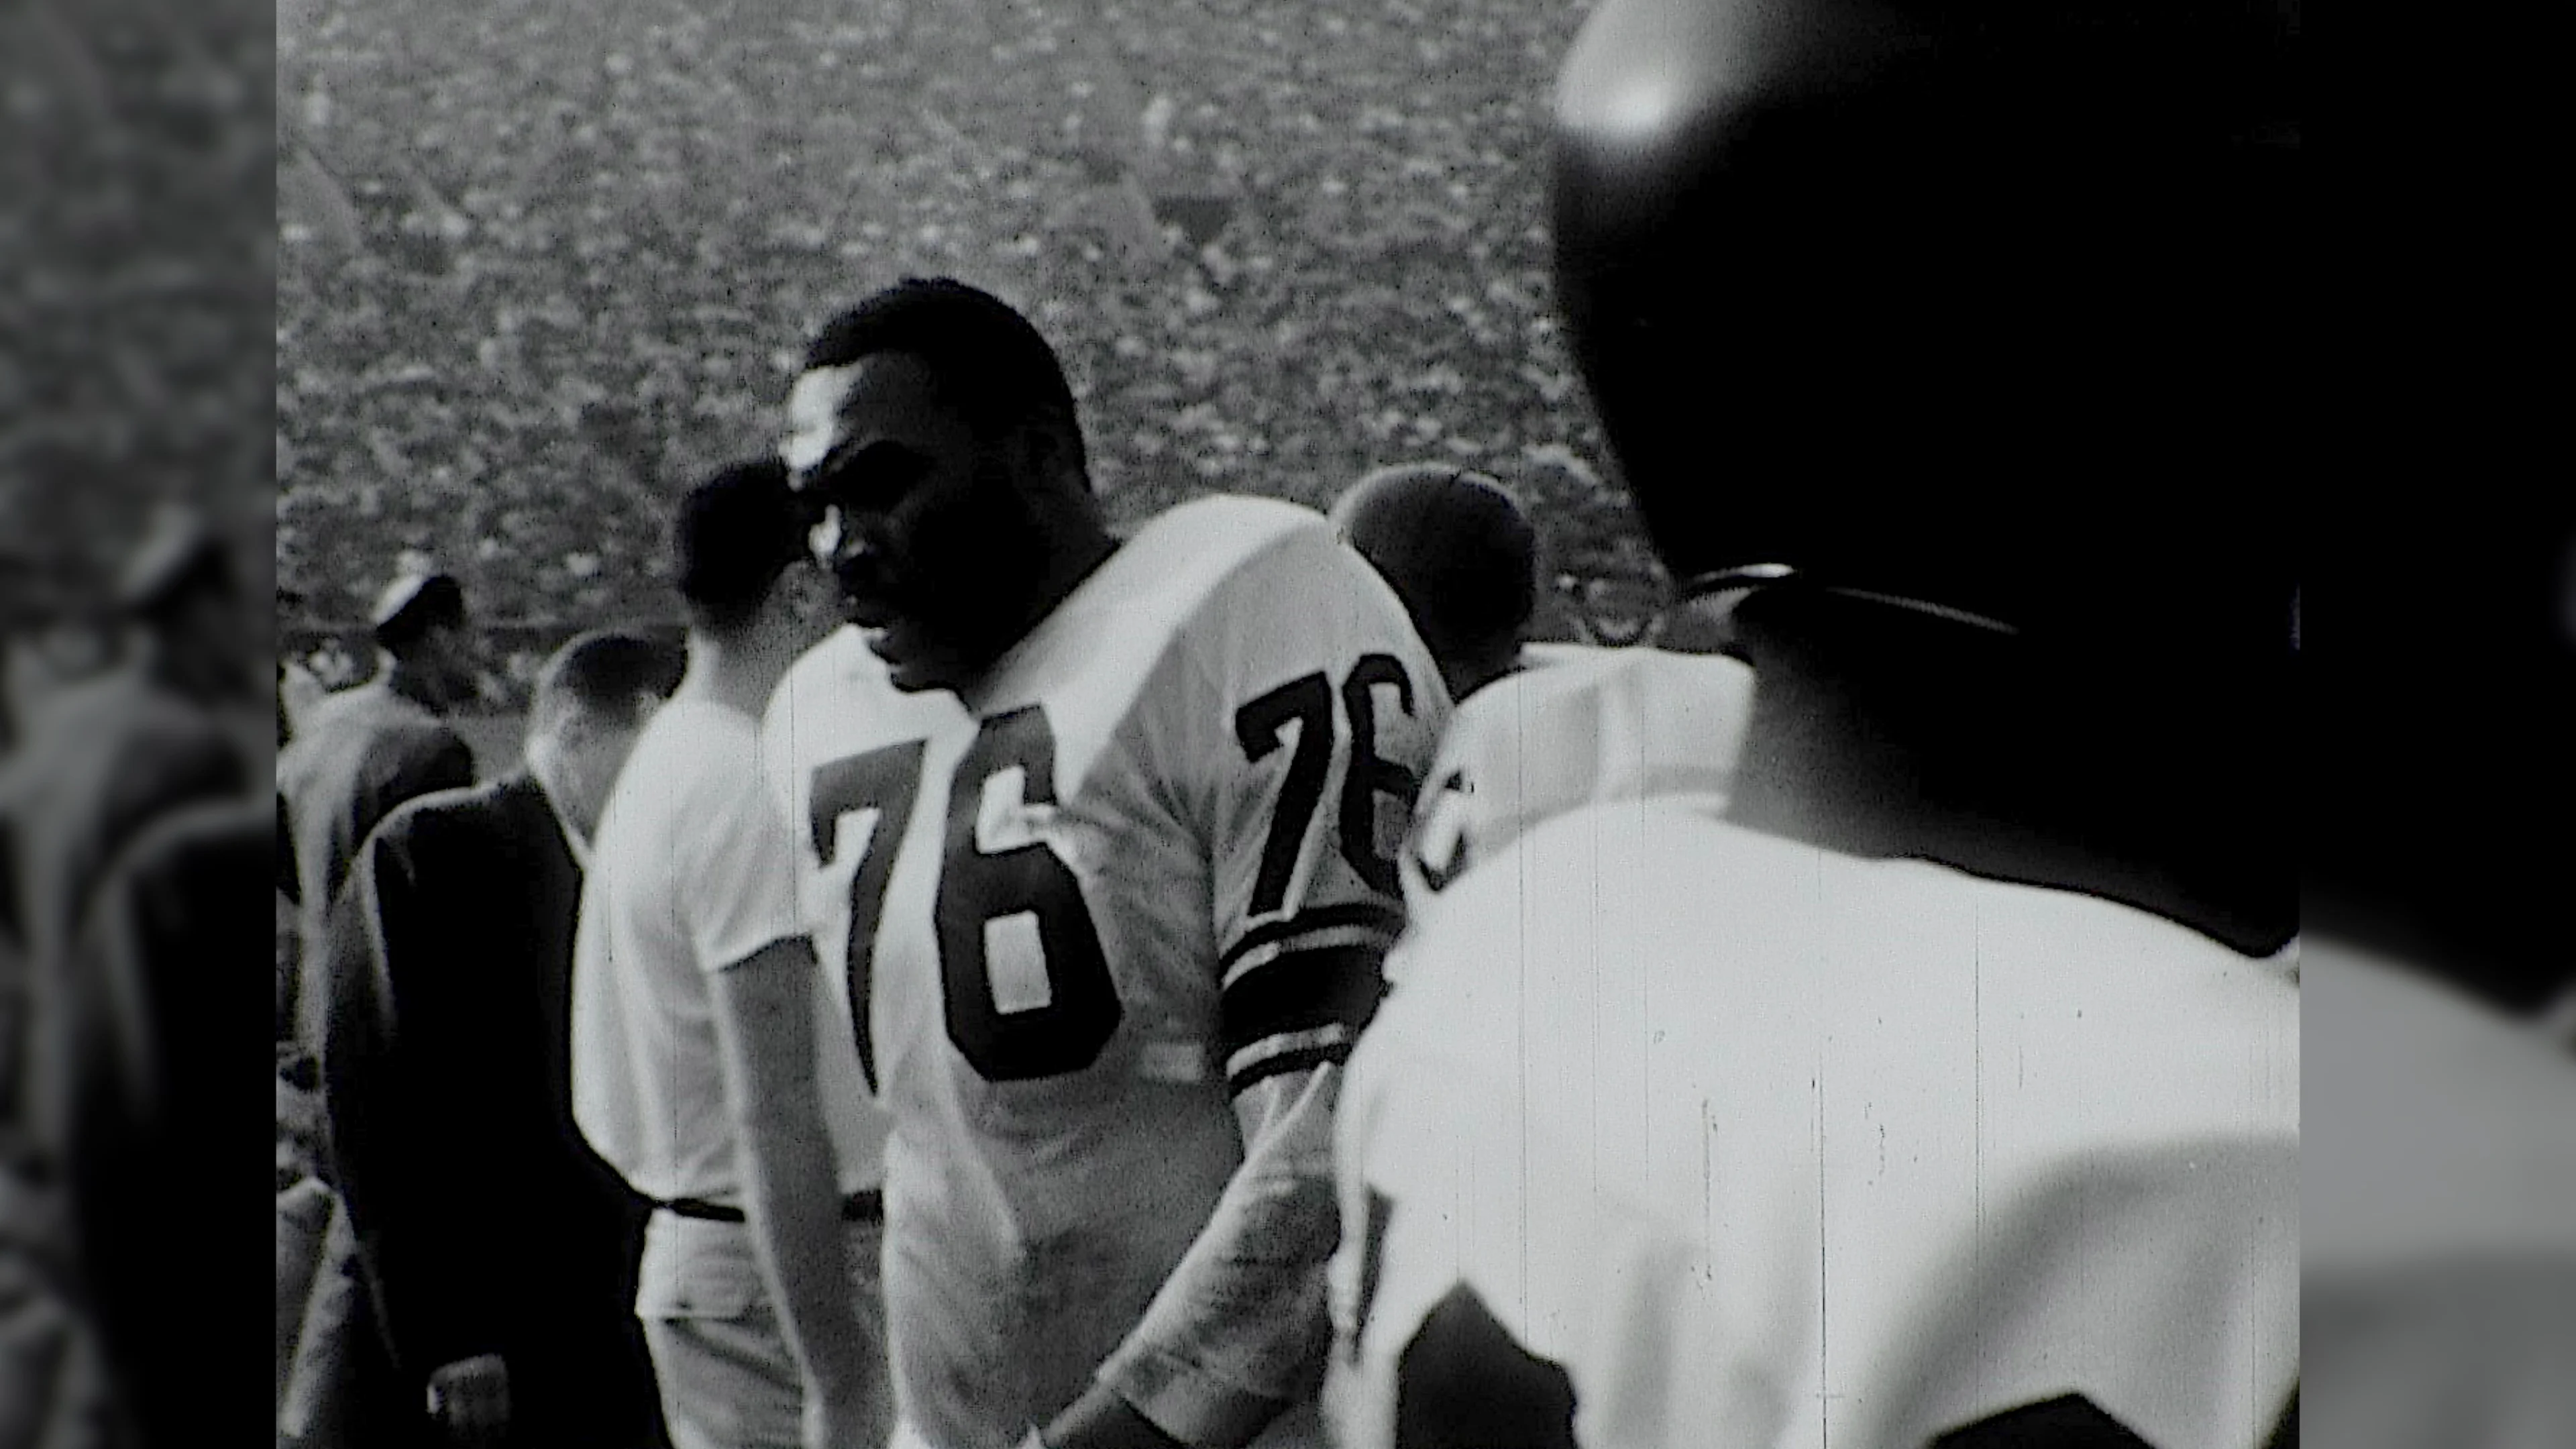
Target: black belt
859	1207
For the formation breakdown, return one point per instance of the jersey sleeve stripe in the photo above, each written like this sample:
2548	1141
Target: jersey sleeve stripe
1384	918
1308	991
1295	1052
1372	937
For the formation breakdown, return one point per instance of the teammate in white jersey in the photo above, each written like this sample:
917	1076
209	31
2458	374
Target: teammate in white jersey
1456	548
1100	841
1925	1068
696	1012
1539	728
1579	726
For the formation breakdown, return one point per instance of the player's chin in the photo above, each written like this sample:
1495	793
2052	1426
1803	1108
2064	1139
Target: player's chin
914	664
916	677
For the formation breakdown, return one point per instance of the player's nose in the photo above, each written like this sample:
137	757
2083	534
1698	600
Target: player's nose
836	537
858	562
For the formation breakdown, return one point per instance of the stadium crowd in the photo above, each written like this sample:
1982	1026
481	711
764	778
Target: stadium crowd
584	240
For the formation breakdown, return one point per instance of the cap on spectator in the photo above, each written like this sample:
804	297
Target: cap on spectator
179	552
415	603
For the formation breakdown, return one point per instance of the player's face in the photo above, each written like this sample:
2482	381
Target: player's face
1620	612
922	525
809	604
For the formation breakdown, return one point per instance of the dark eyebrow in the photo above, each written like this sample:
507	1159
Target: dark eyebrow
876	472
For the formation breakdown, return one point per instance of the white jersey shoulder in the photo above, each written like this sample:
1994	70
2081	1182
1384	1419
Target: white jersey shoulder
1220	579
1579	726
1706	1127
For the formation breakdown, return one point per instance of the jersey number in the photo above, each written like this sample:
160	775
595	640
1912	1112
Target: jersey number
1308	701
2070	1421
1001	903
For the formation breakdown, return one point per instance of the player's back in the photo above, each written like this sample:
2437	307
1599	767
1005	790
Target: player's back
1770	1146
1578	725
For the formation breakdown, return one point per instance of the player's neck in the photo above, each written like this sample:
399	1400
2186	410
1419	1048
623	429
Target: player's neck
737	674
1916	738
1085	543
409	680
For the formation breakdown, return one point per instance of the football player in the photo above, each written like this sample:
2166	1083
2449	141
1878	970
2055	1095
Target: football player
1101	850
1940	1086
1581	726
1539	728
1459	552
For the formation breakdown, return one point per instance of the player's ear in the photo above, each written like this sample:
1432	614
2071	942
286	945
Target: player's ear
1043	452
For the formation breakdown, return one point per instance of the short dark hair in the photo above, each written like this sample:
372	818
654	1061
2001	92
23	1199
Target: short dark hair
735	534
606	673
986	359
438	602
1455	546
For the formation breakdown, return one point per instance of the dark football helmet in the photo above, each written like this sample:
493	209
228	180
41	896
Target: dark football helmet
1991	305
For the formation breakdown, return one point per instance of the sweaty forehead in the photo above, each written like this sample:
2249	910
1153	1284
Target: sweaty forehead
886	395
813	414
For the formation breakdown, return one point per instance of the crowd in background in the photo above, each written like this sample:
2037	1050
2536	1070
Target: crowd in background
1278	248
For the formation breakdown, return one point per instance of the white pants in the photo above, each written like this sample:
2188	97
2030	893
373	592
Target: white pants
727	1377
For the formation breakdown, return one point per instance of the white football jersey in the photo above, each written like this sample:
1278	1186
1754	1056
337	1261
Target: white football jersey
1673	1133
1148	865
1578	725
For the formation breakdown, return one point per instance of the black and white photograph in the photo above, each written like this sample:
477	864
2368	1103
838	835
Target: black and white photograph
1091	724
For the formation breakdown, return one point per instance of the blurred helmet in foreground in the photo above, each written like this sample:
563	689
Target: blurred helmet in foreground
1988	305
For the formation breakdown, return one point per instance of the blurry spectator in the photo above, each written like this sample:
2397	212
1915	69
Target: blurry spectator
360	753
105	757
76	647
333	666
138	1128
53	1391
1620	607
1456	548
499	1251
